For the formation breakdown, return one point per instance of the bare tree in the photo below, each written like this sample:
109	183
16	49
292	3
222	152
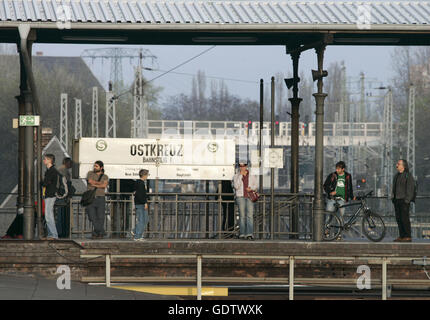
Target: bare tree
413	66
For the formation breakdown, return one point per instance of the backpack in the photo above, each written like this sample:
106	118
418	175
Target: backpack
415	187
71	188
62	187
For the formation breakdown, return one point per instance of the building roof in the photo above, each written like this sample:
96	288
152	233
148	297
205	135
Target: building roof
217	22
218	12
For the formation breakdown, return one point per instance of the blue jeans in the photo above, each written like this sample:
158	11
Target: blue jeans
49	217
246	216
142	220
330	206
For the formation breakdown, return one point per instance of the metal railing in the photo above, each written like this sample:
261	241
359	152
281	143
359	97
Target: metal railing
198	216
204	216
119	216
291	280
157	128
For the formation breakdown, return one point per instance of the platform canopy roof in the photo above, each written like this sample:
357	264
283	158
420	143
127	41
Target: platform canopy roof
218	22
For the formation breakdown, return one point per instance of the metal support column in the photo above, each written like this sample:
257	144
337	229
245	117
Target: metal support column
78	119
28	172
410	155
107	280
199	277
95	114
260	149
384	278
318	209
26	39
110	113
21	133
38	179
291	279
64	121
295	116
272	170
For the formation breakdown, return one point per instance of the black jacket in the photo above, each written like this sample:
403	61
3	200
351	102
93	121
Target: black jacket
403	187
331	182
141	194
50	182
227	187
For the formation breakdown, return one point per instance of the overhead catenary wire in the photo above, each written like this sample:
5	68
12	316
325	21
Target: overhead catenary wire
168	71
210	77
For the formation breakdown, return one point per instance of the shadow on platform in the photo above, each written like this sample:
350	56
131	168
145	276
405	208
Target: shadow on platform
20	287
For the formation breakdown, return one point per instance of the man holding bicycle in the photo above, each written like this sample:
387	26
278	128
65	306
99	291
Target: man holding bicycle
338	185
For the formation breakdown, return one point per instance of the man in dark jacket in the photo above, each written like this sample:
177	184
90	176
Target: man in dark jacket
63	210
50	189
141	202
402	194
338	185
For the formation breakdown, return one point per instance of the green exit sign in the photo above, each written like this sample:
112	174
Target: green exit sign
29	121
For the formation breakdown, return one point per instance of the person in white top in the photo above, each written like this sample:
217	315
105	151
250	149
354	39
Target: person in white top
244	182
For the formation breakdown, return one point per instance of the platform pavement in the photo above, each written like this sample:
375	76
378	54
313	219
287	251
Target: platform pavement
21	287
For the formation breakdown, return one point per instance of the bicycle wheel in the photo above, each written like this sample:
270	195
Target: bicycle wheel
373	226
332	226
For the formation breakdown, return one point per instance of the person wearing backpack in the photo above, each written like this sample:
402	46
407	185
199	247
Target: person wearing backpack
63	203
402	194
49	185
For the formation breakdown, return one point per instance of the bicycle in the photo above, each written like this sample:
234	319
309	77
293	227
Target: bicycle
372	224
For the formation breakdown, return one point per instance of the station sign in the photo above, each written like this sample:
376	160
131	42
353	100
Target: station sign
183	159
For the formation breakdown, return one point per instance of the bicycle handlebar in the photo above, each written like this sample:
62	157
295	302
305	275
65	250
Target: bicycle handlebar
365	196
358	198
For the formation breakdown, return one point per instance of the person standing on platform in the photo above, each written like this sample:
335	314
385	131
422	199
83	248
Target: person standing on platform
96	210
141	202
49	185
338	184
243	183
402	194
63	211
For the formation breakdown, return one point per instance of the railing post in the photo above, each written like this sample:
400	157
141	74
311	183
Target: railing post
176	216
265	235
220	226
384	278
70	218
291	279
133	214
199	277
108	270
155	226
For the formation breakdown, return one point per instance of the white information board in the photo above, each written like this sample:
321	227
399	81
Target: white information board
273	158
184	159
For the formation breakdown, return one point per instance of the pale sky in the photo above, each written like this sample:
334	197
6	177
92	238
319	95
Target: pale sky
248	63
